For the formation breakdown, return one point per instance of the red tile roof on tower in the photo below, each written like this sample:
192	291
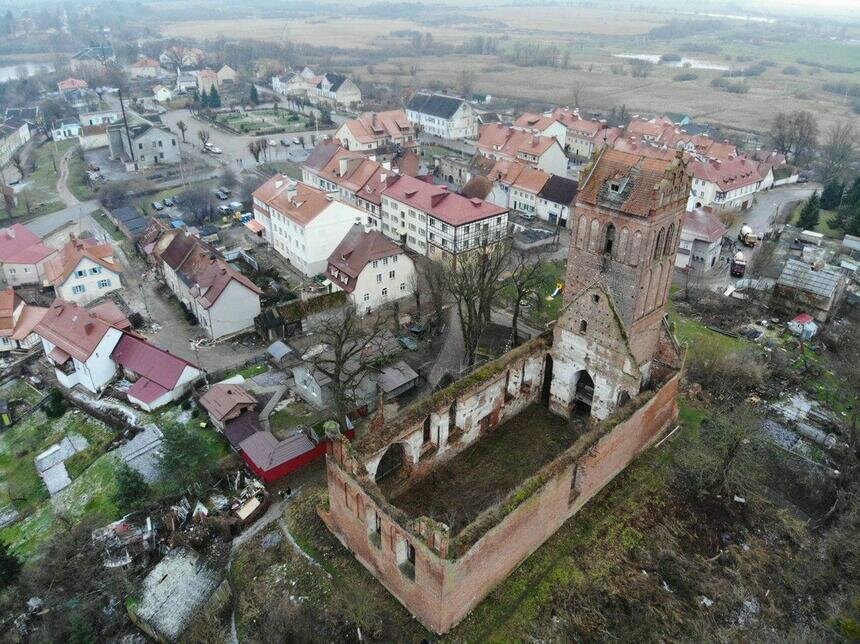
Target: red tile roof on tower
73	252
370	127
498	138
159	370
223	398
640	182
75	330
298	201
19	245
735	173
357	250
703	224
437	201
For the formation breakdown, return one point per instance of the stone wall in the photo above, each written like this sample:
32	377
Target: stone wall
445	585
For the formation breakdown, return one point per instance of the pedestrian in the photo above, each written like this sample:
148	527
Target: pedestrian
289	492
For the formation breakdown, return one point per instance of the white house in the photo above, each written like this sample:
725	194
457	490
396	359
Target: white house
162	94
66	129
17	322
224	301
304	224
100	117
444	116
700	242
516	186
144	68
724	185
371	269
329	88
13	134
149	144
373	130
432	221
505	143
84	270
23	256
543	124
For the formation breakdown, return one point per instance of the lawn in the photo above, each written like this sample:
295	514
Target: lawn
292	170
39	186
540	309
77	182
825	218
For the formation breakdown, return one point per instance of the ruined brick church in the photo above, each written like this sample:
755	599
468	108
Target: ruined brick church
547	425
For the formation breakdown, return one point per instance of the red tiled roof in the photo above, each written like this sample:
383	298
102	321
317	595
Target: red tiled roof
159	370
437	201
532	121
370	127
73	252
644	148
572	120
298	201
73	328
803	318
110	313
499	138
21	325
703	224
19	245
72	83
727	175
645	128
519	175
222	398
356	251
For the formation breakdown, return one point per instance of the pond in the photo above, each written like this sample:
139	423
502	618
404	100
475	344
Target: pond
691	63
23	70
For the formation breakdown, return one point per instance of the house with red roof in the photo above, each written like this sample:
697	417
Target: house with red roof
83	270
224	301
303	223
724	185
583	134
17	321
23	256
71	84
701	239
506	143
371	131
371	269
432	221
94	347
144	68
543	124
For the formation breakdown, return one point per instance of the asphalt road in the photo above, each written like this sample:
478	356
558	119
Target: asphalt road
77	213
761	215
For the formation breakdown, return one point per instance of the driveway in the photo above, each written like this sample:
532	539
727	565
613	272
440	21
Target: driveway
761	215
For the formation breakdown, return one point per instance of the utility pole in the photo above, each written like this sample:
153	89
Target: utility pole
125	124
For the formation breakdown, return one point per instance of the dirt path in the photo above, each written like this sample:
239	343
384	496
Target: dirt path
62	187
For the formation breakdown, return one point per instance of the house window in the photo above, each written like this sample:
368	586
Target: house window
80	273
103	283
394	259
402	286
95	270
379	278
80	288
610	240
375	263
366	297
583	326
391	275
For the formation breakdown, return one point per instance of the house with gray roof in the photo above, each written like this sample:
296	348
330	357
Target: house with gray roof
140	143
816	289
448	117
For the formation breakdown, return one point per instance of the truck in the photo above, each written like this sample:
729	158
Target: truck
747	237
810	237
738	266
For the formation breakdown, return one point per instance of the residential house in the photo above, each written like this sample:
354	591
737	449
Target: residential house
23	256
724	185
206	80
371	131
84	270
186	81
93	136
130	221
447	117
66	129
333	89
17	322
432	221
70	85
583	134
544	125
78	343
99	117
162	94
505	143
304	224
371	269
555	200
516	187
157	376
226	75
31	115
92	59
13	134
700	242
224	301
142	144
359	181
769	163
144	68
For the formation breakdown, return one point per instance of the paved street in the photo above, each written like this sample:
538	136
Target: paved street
71	214
762	214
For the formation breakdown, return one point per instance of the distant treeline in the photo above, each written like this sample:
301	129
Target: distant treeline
836	69
843	89
683	29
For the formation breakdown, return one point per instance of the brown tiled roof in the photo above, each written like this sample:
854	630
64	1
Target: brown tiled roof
532	121
321	154
76	250
519	175
294	199
207	274
727	175
498	138
370	127
572	120
645	128
702	223
9	301
222	399
267	452
641	180
437	201
357	250
644	148
72	328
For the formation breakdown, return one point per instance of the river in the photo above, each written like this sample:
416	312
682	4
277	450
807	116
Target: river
23	70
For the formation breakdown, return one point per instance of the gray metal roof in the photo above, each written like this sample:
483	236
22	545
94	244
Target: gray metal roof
799	275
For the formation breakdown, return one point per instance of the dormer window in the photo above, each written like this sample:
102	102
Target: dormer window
615	186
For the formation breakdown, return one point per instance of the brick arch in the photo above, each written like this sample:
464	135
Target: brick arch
622	245
658	245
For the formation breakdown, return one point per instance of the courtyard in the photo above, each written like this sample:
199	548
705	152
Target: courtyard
457	491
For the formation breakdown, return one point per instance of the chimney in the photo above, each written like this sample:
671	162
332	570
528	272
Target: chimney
88	328
342	165
11	232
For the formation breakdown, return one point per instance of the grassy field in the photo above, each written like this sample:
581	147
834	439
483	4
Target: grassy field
825	217
39	186
77	182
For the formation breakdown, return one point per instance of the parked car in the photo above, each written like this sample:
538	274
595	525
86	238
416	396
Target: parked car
408	342
225	210
221	195
272	142
225	190
169	202
296	141
214	150
236	206
284	142
157	206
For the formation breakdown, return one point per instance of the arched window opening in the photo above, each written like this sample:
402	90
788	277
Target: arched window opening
584	394
610	240
390	462
667	250
583	326
658	247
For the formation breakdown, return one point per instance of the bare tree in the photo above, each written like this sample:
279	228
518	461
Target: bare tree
275	100
183	127
264	147
198	203
18	161
576	91
347	360
431	275
838	152
473	282
255	149
466	82
203	135
526	275
795	134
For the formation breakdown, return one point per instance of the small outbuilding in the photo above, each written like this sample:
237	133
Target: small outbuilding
803	326
225	402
